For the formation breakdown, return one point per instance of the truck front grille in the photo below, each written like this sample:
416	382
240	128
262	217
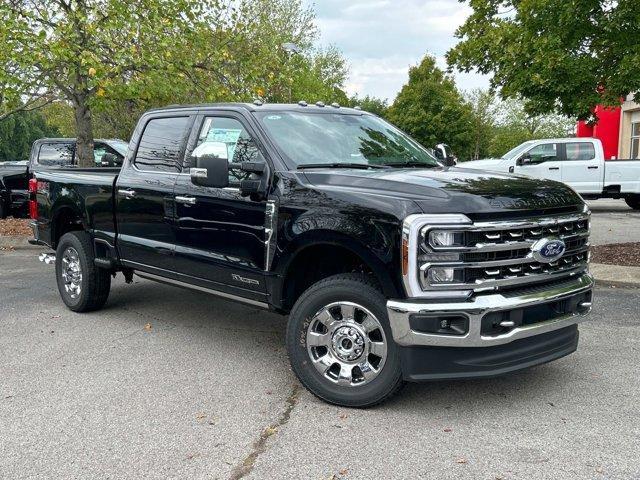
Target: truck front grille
497	255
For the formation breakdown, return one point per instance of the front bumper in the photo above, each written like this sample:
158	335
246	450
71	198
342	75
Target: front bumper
545	328
478	307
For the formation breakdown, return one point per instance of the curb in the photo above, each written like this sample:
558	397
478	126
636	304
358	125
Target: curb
615	275
17	242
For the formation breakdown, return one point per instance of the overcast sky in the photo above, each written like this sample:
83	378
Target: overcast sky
381	39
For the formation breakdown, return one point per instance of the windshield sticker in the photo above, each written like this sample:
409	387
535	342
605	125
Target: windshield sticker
274	117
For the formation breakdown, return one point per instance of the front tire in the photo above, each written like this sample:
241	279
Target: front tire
633	201
82	286
340	343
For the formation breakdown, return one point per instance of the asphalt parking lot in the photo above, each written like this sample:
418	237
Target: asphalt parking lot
612	221
168	383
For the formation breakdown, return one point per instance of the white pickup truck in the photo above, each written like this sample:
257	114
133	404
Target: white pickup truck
578	162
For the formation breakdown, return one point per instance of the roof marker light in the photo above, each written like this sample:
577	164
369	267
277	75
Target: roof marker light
302	103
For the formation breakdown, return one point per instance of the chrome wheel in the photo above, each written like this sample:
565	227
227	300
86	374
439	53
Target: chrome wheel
71	272
346	343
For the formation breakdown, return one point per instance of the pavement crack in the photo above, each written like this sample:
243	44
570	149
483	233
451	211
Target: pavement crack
245	467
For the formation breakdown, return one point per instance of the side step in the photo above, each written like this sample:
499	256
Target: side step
105	262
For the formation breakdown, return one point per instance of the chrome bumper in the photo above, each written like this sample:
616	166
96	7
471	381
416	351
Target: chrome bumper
479	306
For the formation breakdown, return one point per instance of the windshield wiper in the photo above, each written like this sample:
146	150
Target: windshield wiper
338	165
409	164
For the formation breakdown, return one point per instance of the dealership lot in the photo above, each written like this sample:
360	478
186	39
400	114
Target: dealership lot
612	221
171	383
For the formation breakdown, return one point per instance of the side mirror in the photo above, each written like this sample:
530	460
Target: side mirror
524	160
211	165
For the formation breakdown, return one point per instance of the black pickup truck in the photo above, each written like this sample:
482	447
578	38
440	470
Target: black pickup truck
390	265
49	153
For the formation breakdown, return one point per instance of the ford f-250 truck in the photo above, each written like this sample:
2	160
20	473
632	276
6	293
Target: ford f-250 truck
390	266
578	162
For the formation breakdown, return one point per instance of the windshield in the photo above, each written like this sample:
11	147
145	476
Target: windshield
120	147
516	150
336	139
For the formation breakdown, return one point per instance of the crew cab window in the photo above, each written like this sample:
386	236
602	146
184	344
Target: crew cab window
240	146
544	153
55	154
161	144
580	151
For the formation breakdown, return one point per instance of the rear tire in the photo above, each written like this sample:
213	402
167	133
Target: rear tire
82	286
340	343
633	201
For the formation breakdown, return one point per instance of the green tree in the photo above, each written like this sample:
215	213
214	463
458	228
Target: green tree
370	104
19	131
430	108
513	126
79	51
560	56
483	125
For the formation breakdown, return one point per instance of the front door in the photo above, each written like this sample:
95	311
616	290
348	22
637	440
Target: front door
144	195
545	161
220	234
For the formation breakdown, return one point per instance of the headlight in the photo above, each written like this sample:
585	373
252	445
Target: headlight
445	238
440	275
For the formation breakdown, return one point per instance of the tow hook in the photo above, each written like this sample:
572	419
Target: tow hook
47	258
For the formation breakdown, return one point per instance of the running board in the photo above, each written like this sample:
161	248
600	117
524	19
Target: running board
178	283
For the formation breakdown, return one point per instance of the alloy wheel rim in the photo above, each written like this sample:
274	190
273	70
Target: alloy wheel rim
346	344
71	272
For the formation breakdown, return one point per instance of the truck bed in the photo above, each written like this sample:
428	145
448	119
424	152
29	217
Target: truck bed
625	173
88	193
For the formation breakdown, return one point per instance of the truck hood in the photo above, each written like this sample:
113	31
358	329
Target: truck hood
446	190
486	164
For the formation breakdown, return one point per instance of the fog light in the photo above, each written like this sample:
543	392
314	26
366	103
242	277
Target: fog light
445	275
445	238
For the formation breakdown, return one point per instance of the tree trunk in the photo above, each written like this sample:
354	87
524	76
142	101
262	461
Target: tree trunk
84	133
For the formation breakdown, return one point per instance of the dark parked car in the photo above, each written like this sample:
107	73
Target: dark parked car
390	265
48	153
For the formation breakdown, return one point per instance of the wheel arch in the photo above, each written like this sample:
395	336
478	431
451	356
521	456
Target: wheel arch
318	256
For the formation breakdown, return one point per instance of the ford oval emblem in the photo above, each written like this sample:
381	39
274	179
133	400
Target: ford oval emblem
548	250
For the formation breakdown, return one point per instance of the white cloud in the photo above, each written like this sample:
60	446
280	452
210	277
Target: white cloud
381	39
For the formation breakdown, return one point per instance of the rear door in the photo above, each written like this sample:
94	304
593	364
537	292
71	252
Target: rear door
220	234
144	194
583	169
546	162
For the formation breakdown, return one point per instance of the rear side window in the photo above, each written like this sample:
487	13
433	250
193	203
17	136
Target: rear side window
161	145
55	154
580	151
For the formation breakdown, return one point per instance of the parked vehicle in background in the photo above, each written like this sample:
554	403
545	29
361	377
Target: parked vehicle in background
47	153
390	265
578	162
13	189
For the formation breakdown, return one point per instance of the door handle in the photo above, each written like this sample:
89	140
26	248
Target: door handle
554	168
127	193
593	168
186	200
